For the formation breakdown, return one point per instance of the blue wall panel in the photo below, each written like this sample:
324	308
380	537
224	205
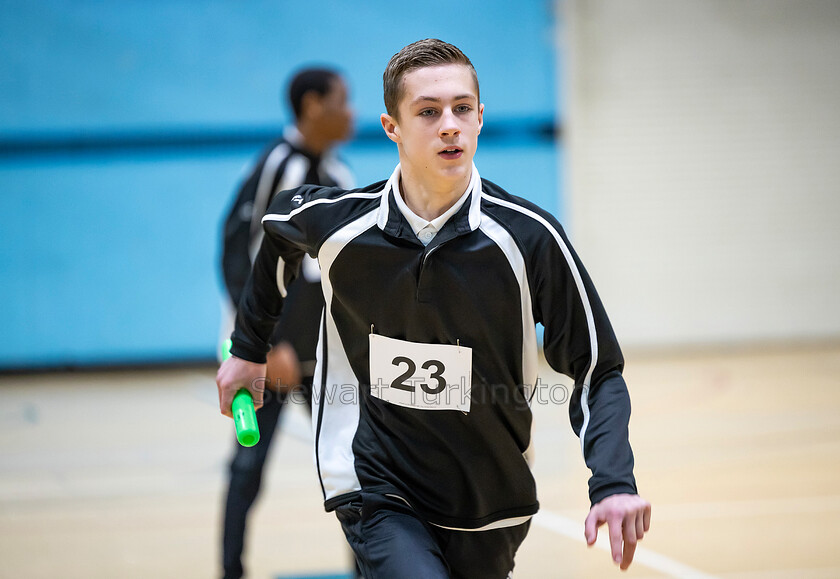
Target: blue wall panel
71	64
113	261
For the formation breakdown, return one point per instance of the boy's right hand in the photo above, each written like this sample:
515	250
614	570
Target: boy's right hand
236	373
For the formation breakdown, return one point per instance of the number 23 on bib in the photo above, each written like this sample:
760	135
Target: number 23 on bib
421	376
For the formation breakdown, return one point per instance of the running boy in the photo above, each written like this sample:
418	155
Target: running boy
433	282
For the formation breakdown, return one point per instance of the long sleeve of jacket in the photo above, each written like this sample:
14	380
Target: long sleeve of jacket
276	266
579	342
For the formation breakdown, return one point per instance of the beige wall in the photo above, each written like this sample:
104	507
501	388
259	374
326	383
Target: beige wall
703	142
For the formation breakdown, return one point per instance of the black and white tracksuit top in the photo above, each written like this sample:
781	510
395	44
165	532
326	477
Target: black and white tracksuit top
496	267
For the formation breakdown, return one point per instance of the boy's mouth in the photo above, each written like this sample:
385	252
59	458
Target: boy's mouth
451	153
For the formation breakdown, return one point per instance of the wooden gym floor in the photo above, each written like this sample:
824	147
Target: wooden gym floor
120	474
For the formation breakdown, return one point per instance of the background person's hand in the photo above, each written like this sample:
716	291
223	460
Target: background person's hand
282	368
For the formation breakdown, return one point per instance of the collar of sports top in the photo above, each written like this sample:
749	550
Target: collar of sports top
418	223
392	215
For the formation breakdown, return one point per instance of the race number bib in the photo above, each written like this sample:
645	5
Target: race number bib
422	376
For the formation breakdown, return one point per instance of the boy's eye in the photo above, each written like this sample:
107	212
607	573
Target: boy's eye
427	112
463	108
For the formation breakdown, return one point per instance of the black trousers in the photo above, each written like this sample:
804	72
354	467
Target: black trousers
246	469
391	542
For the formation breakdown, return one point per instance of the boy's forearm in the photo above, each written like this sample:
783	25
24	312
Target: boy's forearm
605	442
261	304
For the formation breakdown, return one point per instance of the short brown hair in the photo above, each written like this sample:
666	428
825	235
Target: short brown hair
420	54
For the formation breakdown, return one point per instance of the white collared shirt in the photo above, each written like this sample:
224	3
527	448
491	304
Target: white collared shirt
426	230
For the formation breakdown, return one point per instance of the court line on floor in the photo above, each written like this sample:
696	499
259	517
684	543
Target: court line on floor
819	573
574	530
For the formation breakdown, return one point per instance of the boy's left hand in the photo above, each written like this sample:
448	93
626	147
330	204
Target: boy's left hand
628	518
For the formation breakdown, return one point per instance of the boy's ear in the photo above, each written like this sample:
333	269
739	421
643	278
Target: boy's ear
392	129
480	117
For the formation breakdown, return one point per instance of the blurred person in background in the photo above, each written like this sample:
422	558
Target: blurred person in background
304	154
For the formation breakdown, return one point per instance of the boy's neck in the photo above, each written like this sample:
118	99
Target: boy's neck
430	200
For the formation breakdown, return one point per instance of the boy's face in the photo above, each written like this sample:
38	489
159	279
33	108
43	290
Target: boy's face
439	122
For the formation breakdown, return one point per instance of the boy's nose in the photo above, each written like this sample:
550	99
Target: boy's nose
448	125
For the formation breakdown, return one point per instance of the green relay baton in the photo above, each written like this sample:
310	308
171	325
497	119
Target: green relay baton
242	408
